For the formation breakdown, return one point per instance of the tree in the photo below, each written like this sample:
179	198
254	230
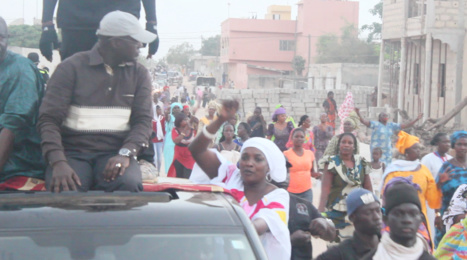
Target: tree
211	46
376	27
27	36
345	49
298	64
180	54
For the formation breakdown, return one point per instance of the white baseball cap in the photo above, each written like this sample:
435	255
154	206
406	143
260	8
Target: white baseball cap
118	23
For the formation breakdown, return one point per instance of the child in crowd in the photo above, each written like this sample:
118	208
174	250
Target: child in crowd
376	170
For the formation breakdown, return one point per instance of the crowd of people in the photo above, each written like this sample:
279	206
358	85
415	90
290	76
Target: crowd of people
99	119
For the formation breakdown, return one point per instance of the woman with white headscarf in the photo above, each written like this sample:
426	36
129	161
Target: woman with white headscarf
260	161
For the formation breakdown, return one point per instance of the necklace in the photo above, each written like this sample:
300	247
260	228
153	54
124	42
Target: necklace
462	164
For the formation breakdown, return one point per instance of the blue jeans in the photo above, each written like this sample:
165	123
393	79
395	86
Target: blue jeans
306	195
158	155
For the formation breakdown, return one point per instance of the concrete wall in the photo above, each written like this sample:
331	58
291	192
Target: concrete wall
297	102
393	19
342	75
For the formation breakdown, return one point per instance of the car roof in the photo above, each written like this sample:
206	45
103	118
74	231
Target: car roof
42	210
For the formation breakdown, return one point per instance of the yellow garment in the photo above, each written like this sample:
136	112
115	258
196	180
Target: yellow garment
405	141
205	121
430	193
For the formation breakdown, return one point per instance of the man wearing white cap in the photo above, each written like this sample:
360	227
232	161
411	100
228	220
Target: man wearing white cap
96	115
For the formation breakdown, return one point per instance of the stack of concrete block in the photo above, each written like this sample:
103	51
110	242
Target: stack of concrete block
297	102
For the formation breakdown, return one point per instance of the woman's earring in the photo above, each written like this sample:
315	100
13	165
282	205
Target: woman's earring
268	177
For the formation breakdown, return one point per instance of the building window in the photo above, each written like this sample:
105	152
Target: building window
287	45
416	78
276	16
442	80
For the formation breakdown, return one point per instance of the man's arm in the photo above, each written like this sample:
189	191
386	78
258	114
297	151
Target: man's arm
48	9
7	139
150	10
362	120
53	111
141	115
403	126
20	108
49	40
151	25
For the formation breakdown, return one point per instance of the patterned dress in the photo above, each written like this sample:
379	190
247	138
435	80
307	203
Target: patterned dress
381	137
448	189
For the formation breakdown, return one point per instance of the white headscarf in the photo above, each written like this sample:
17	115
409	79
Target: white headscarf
457	206
274	156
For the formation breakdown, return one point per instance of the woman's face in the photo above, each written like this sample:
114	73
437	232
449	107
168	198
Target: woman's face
159	111
323	118
298	138
184	123
211	111
175	110
233	121
307	123
461	147
347	145
413	153
383	118
348	127
253	166
376	154
281	118
257	112
241	131
228	132
444	144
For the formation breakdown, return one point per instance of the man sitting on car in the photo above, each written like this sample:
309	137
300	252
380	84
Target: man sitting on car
21	90
96	115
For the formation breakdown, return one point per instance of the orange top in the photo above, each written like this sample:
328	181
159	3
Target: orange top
430	194
300	172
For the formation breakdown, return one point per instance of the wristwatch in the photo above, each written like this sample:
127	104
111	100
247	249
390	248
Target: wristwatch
124	152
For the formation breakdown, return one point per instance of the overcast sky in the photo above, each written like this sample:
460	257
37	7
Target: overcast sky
183	20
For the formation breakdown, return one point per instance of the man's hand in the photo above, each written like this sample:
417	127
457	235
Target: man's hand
116	166
320	227
300	237
48	41
64	177
420	116
153	46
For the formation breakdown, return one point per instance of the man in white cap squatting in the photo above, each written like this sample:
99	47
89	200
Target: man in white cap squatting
96	115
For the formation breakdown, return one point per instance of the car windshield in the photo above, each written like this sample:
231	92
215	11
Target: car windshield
112	244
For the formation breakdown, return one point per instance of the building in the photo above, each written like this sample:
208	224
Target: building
342	76
267	46
422	68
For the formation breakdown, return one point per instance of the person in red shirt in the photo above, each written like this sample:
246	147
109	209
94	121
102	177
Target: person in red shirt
158	126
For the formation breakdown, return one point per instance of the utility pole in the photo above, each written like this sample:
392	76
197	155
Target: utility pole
309	53
295	53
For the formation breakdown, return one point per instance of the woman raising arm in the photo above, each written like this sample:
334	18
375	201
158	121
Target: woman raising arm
260	160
